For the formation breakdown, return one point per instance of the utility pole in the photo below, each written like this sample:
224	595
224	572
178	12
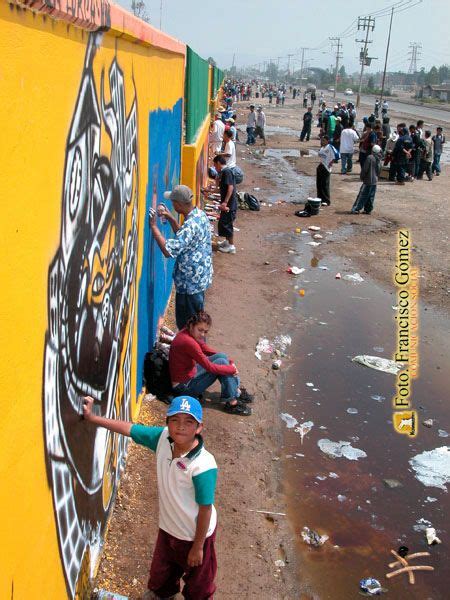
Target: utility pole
160	13
289	64
301	67
366	24
387	54
336	41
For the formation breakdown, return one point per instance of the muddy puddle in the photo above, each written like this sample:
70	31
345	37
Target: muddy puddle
348	499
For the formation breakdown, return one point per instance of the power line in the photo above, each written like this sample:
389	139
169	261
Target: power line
366	24
336	43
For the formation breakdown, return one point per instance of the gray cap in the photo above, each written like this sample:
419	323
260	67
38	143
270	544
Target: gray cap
180	193
376	149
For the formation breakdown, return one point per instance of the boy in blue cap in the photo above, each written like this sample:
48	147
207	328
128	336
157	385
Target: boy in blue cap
187	475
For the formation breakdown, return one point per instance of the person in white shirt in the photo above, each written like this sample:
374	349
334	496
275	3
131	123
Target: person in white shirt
348	138
251	124
327	158
216	134
229	151
260	124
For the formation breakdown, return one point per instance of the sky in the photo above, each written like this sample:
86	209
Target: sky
258	30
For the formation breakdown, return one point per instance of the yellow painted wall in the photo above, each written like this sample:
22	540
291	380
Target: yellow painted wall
41	69
195	160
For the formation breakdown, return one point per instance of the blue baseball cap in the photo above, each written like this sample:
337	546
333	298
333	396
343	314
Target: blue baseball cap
186	405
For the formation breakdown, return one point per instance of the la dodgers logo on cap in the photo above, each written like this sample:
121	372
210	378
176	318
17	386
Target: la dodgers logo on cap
187	405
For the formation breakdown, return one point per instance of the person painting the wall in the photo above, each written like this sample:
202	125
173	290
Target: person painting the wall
191	249
195	366
228	205
186	474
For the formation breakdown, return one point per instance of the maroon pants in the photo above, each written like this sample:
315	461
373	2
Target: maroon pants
169	564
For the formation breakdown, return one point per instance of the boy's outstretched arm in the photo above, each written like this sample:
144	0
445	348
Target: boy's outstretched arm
123	427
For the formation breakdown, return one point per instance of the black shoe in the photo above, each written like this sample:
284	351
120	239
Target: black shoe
245	396
302	213
239	409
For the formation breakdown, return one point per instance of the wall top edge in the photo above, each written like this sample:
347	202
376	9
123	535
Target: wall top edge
95	15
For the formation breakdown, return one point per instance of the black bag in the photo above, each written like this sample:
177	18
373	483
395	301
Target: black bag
156	377
238	175
252	202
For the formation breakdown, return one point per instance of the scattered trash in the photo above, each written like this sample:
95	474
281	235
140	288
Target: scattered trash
304	428
290	421
321	477
256	189
341	498
442	433
402	561
263	346
313	243
432	467
301	292
317	236
370	586
268	512
278	346
287	308
314	228
340	449
338	276
428	423
295	270
298	230
309	384
378	398
352	411
395	308
323	268
333	475
392	483
378	363
276	365
430	499
312	538
432	538
355	278
280	563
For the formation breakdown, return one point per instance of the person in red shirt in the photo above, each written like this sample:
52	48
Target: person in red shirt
194	367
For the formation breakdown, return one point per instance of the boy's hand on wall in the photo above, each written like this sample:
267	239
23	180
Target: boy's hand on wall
88	403
195	557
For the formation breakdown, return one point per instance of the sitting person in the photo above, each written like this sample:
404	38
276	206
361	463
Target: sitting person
194	367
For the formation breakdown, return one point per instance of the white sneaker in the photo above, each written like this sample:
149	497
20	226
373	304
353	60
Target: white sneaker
229	249
222	243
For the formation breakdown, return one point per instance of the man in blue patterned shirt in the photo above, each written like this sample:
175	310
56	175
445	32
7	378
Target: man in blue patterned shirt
191	249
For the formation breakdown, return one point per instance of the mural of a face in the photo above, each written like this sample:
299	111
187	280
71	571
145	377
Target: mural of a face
91	306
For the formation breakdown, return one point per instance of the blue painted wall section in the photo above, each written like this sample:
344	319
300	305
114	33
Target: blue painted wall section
164	167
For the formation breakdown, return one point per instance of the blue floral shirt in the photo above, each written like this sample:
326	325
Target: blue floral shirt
191	247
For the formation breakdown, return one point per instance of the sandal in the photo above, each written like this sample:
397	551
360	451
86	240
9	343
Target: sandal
239	409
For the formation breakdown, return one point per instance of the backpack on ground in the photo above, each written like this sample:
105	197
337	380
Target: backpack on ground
156	377
252	202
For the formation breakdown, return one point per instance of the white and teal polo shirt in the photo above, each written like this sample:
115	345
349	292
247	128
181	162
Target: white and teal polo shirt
183	483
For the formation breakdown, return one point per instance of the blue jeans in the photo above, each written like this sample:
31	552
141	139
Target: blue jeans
202	380
187	305
251	136
436	168
346	162
365	198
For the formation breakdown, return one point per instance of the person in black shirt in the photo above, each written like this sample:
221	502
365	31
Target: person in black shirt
307	122
228	205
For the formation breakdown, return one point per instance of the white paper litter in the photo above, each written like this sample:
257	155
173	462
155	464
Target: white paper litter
340	449
304	428
442	433
422	524
313	243
309	384
263	346
333	475
341	498
352	411
289	420
355	278
432	538
280	563
378	363
313	538
314	228
432	467
296	270
317	236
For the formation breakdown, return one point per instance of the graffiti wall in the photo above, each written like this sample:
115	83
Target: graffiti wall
91	130
195	160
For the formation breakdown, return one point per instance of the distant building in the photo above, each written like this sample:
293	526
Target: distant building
439	92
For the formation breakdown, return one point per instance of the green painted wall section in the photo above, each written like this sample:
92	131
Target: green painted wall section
196	94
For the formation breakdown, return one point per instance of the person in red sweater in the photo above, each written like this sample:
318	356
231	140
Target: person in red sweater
194	367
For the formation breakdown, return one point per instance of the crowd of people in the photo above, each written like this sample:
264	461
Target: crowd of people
186	471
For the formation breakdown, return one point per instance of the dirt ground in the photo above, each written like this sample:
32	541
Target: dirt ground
246	301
